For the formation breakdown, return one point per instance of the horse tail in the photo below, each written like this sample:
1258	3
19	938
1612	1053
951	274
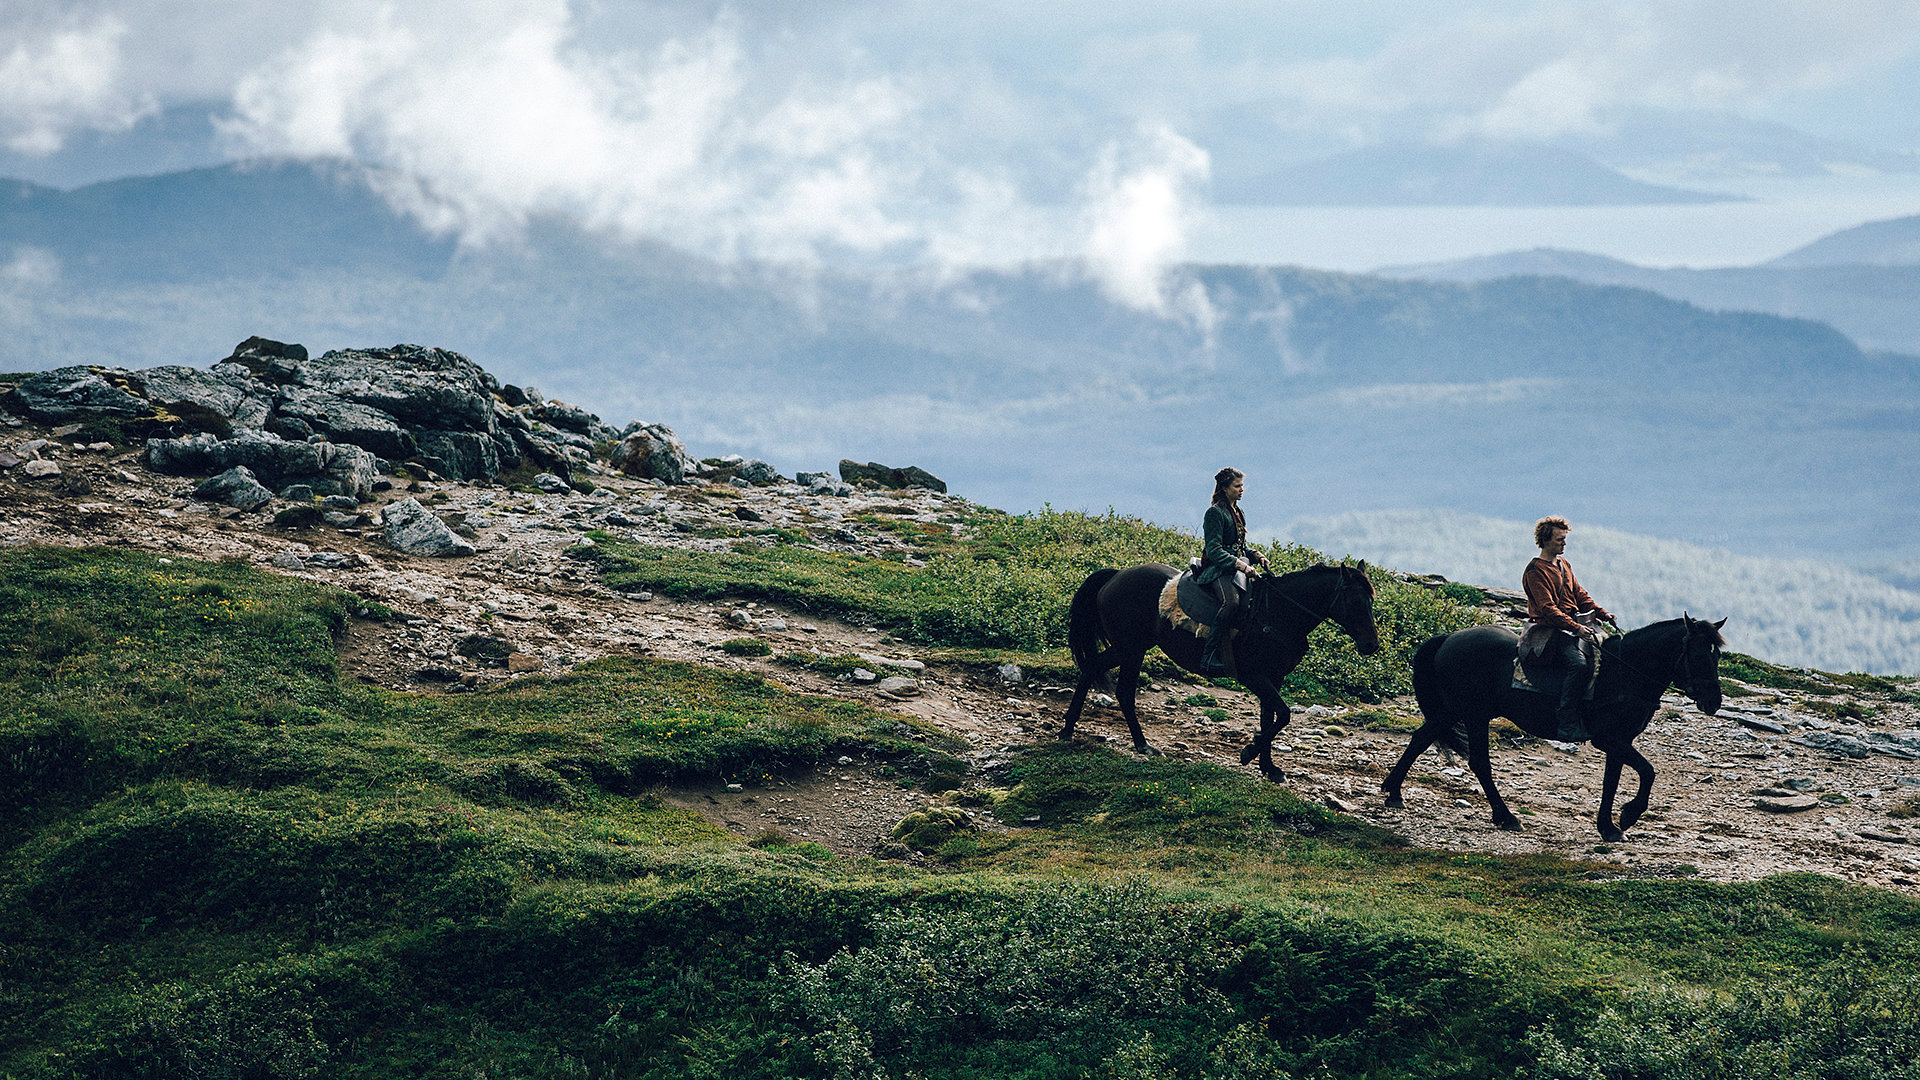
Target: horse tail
1426	691
1085	636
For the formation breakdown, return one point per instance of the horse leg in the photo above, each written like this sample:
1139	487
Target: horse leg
1480	759
1637	805
1428	734
1089	672
1129	684
1274	715
1609	784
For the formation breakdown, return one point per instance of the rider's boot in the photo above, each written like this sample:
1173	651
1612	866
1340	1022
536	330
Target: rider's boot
1217	658
1210	662
1569	715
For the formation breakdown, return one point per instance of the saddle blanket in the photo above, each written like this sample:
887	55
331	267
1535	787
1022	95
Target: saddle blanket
1182	600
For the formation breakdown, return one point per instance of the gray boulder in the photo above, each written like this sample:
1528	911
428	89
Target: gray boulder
221	400
410	528
566	417
330	468
69	392
420	387
759	473
652	452
820	483
307	411
466	455
235	487
884	476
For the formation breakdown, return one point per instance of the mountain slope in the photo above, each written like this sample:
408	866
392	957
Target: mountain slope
1466	174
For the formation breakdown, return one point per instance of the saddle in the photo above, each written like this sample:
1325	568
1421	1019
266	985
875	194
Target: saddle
1190	606
1533	672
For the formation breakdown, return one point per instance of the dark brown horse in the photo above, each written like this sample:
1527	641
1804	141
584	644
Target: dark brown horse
1465	679
1116	618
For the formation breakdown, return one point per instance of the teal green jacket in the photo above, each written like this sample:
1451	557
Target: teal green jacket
1224	546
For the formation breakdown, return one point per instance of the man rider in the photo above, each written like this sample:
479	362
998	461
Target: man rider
1555	600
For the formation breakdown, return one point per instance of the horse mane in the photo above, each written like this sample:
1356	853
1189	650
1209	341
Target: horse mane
1699	626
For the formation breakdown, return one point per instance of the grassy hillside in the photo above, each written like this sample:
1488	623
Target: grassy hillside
219	859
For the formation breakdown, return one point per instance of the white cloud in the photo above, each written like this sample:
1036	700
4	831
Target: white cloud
62	80
1427	395
31	266
1140	198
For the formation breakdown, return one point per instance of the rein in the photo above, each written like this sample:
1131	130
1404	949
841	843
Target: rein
1681	664
1333	602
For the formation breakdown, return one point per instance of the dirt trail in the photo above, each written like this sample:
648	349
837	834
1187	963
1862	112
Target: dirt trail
523	588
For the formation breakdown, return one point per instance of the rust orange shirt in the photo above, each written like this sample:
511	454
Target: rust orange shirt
1554	595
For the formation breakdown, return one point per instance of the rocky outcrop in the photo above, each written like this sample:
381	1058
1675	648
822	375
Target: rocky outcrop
336	420
328	468
885	476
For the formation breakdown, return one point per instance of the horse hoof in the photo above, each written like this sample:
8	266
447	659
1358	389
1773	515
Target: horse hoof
1612	836
1509	825
1147	751
1274	776
1249	752
1393	801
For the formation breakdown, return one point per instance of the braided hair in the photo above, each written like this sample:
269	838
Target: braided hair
1223	480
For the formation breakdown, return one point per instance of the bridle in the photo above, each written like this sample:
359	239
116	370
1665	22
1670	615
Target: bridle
1333	601
1682	666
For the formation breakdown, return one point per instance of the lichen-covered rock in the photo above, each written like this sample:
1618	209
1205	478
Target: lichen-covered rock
69	392
223	400
410	528
758	473
236	487
333	468
913	476
421	387
305	410
652	452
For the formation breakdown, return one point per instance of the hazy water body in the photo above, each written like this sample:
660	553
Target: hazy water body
1781	216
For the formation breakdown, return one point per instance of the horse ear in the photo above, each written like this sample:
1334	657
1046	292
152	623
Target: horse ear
1363	566
1720	624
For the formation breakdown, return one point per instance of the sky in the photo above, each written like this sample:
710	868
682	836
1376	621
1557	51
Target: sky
849	131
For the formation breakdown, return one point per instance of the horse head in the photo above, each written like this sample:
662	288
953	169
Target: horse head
1352	608
1343	594
1699	662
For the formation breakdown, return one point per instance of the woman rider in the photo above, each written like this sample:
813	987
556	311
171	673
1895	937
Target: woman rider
1225	556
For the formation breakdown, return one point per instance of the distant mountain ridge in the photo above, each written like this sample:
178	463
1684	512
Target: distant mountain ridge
1474	173
1336	392
1876	243
1874	300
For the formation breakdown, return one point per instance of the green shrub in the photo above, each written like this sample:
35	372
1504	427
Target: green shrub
1035	986
1469	595
742	646
1851	1022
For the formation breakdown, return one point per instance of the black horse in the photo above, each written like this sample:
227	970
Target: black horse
1463	680
1116	618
